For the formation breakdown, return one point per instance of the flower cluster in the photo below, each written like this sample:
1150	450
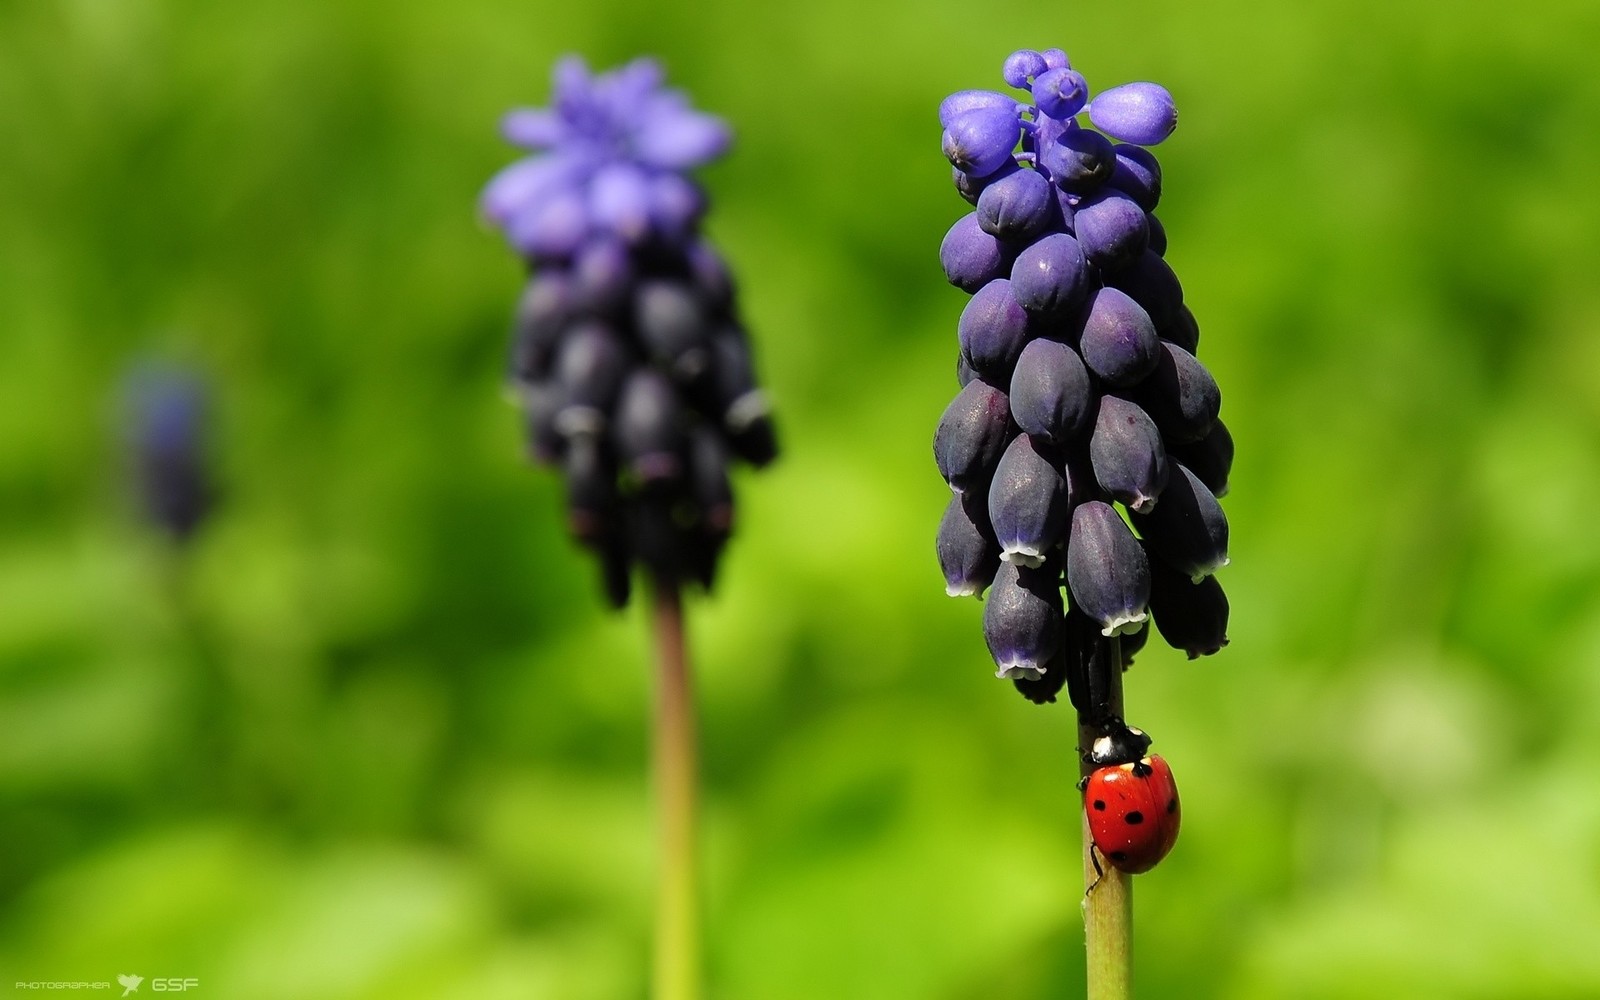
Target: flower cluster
629	361
165	418
1080	390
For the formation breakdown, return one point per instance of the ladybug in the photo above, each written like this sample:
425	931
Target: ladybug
1133	813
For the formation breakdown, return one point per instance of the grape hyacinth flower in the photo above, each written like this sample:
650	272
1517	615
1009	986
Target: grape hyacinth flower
635	379
1083	415
165	418
629	360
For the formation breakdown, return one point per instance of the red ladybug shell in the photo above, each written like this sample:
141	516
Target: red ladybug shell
1133	813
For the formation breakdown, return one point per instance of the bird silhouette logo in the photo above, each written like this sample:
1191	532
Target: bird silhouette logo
130	984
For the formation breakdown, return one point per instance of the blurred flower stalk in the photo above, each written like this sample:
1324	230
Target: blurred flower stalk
634	376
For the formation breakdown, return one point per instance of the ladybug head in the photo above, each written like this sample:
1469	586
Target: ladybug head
1117	744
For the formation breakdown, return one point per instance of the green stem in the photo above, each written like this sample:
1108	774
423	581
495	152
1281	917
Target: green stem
677	958
1108	903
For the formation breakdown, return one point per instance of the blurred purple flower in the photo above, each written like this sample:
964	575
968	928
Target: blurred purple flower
165	415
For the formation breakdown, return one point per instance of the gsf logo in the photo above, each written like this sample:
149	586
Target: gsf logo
173	985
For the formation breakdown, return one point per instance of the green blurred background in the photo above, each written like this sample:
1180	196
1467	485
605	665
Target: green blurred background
373	736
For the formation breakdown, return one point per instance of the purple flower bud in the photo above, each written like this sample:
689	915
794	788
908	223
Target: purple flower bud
1191	616
1016	207
166	415
1060	93
525	183
971	437
968	555
1049	278
548	304
1050	392
649	432
672	325
1107	572
1187	529
1210	458
1183	331
1078	160
964	372
1111	228
1056	59
542	403
962	101
980	141
1027	502
1157	243
1180	395
1118	343
993	330
602	277
711	278
590	367
551	229
1150	282
675	206
1129	461
1021	66
1042	690
1141	113
619	201
681	141
1022	620
712	496
971	186
971	257
591	477
1137	174
533	128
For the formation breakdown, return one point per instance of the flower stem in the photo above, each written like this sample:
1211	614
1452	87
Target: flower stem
1108	901
677	956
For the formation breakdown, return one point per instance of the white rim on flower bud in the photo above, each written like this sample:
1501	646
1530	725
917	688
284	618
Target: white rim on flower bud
1124	624
746	410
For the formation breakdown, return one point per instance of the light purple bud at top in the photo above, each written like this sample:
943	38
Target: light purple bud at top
675	205
1017	207
1138	174
552	229
1060	93
711	277
968	555
1022	620
619	201
1079	160
533	128
1210	458
1050	277
971	437
681	141
980	141
1111	228
602	276
1191	616
1022	65
1118	342
1056	59
1050	392
1141	113
992	330
522	185
1028	504
971	257
1129	461
1187	529
1107	572
1180	395
962	101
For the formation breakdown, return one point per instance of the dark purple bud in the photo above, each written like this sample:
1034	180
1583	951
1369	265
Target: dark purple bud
1021	66
1106	569
1210	458
993	330
671	323
1150	282
1078	160
657	535
728	395
1137	174
1187	529
964	372
971	257
1191	616
166	417
971	437
1118	343
1141	113
1125	450
1016	207
980	141
591	478
649	431
711	278
968	555
541	404
1183	331
590	368
1042	690
602	276
1132	642
962	101
547	306
1180	395
1050	392
616	569
1060	93
1022	620
1028	503
971	186
1157	242
712	496
1050	277
1112	229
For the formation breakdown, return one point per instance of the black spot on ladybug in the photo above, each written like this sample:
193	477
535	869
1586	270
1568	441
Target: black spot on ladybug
1134	818
1100	805
1172	805
1118	855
